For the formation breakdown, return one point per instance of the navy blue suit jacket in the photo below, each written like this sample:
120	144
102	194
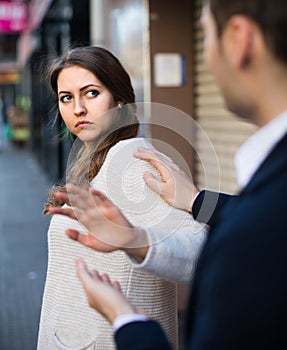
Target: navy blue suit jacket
239	293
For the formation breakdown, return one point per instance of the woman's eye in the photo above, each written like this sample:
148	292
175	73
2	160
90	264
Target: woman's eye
92	93
65	98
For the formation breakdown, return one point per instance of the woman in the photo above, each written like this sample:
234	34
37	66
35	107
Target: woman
96	103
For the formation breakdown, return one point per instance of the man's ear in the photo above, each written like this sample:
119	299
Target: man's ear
238	41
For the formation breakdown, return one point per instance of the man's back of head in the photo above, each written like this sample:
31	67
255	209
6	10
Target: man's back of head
270	16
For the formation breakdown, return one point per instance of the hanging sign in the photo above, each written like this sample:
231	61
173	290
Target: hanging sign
13	17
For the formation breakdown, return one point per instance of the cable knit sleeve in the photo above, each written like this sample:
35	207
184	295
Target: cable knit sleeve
175	238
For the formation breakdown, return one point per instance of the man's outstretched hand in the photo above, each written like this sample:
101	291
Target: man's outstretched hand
103	295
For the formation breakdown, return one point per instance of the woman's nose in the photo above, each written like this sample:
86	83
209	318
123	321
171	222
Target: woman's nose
79	108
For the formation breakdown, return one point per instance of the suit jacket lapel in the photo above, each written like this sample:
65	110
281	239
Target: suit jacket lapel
276	160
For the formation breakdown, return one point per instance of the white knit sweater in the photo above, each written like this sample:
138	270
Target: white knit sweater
67	321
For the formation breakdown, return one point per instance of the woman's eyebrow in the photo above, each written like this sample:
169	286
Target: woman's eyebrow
63	92
89	85
81	89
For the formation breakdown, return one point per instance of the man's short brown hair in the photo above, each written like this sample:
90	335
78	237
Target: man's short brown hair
269	15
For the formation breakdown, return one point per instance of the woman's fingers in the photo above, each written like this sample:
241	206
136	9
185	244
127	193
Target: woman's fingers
91	241
63	211
99	196
86	240
73	234
79	197
83	199
63	196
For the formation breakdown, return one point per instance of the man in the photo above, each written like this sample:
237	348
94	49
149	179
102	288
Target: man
239	292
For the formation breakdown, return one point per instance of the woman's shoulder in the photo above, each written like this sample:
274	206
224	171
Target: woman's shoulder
126	148
131	144
120	162
121	168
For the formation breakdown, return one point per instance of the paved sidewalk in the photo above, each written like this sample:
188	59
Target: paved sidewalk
23	248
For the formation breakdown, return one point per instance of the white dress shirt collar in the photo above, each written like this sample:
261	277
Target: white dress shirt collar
256	149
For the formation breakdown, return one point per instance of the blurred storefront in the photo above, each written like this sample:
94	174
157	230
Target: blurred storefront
53	26
13	20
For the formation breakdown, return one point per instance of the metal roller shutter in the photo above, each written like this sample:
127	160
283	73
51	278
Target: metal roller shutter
225	131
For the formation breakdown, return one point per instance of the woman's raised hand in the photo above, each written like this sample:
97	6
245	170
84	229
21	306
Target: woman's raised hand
108	229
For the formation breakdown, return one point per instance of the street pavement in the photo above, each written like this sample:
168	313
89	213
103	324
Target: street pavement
23	247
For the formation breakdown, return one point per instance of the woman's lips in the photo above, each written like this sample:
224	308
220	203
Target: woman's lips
82	124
